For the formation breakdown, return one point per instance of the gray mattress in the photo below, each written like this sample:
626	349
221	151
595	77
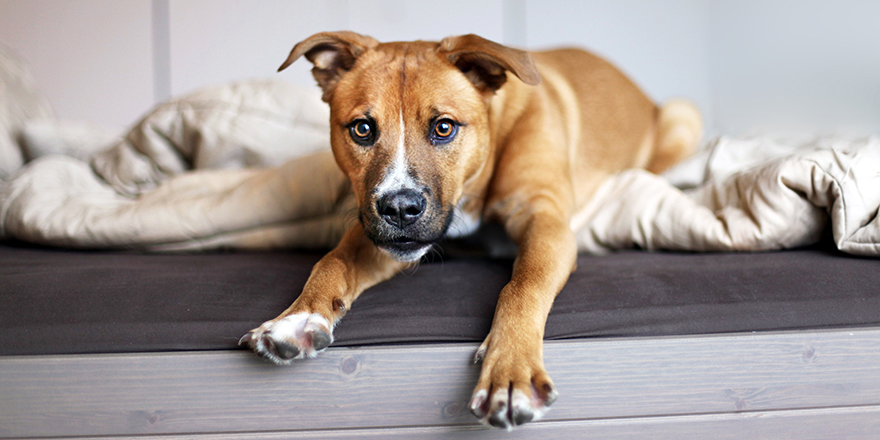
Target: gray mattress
63	301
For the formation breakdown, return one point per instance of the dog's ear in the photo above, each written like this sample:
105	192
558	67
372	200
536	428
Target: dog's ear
332	53
485	62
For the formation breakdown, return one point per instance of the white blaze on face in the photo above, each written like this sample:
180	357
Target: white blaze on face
397	174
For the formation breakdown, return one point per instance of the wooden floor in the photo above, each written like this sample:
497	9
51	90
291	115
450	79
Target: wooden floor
817	385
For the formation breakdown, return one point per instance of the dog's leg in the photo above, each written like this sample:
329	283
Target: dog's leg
306	327
514	387
680	128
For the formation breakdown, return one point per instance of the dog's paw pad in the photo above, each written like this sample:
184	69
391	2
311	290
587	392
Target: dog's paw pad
296	336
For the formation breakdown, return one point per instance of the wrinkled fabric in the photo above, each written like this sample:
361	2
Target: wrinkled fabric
247	124
208	170
787	200
59	201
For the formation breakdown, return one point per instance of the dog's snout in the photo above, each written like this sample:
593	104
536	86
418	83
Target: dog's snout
401	208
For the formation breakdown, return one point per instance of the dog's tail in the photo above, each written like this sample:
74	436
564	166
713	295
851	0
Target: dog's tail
679	129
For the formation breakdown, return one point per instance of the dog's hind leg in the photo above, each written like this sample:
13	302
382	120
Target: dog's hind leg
679	129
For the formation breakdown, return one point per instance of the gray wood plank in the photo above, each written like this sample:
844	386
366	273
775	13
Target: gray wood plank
859	423
413	386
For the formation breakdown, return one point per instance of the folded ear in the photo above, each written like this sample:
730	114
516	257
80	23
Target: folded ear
485	62
332	53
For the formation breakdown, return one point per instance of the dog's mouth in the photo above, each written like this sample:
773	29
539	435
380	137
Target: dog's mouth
411	242
403	249
407	246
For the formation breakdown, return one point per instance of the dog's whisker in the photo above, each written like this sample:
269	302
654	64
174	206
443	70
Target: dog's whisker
436	250
411	268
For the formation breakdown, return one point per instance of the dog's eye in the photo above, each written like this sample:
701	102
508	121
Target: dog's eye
444	131
363	132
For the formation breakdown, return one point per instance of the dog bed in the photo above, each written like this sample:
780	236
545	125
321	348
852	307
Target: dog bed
63	301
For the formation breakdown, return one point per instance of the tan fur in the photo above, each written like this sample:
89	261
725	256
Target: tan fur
537	134
681	127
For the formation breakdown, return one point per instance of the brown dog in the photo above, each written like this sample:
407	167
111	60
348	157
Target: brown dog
437	137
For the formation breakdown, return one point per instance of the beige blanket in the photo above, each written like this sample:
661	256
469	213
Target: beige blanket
754	194
246	166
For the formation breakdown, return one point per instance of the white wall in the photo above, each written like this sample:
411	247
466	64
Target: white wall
91	58
668	55
805	64
233	40
746	63
662	45
230	40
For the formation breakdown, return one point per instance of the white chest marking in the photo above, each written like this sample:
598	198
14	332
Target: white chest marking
397	174
463	223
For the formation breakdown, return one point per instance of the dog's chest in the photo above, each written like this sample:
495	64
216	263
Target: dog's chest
463	223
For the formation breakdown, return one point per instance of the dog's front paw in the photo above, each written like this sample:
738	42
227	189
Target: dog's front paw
295	336
513	388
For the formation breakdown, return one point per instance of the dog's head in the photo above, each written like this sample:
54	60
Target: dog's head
409	125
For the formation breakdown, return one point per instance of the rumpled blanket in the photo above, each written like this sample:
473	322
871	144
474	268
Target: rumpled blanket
243	165
247	166
755	194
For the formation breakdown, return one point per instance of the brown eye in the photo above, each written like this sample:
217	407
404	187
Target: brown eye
363	129
444	131
363	132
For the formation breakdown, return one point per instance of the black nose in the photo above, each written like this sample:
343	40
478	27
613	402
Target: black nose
401	208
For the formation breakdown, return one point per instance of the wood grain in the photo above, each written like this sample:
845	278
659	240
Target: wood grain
720	380
862	423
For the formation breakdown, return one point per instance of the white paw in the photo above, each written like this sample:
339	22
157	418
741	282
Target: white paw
296	336
507	409
507	395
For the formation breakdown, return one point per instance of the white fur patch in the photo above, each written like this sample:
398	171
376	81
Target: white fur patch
463	223
501	408
297	325
293	329
532	403
478	399
408	257
397	174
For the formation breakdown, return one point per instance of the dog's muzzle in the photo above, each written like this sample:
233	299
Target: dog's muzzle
405	224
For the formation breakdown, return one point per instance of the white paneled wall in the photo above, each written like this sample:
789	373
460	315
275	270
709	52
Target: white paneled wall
747	63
